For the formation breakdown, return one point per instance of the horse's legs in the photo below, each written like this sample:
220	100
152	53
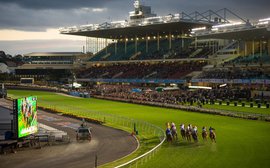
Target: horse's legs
213	137
204	135
183	135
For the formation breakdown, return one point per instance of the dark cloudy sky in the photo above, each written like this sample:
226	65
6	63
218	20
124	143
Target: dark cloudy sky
24	23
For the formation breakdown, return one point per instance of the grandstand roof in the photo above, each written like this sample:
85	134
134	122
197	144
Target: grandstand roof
52	54
142	31
252	34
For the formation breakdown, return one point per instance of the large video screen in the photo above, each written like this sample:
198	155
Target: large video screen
27	116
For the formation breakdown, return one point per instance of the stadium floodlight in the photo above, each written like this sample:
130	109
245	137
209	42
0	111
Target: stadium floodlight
228	25
200	87
263	23
198	29
119	22
266	19
177	15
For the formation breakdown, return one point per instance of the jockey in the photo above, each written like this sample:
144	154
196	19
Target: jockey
182	127
195	129
172	125
203	129
194	134
211	130
189	127
168	125
168	131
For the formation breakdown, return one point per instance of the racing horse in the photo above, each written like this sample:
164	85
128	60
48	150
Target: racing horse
169	135
194	135
188	134
204	135
174	133
183	133
213	136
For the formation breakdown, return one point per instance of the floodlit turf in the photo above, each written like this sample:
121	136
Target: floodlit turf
240	143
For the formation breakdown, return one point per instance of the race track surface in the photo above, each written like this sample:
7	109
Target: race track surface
107	143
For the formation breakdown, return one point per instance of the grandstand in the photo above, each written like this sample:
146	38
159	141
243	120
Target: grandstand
39	65
203	46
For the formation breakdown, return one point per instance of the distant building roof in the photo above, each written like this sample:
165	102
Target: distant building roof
11	64
52	54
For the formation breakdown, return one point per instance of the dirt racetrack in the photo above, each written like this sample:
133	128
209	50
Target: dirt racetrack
107	143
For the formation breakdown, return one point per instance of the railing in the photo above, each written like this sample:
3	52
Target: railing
143	158
186	107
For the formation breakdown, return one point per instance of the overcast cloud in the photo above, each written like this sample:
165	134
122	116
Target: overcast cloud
56	4
40	15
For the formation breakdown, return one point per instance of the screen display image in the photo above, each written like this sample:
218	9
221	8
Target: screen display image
27	116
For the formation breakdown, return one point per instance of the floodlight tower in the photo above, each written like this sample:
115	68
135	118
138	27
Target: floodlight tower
140	11
137	5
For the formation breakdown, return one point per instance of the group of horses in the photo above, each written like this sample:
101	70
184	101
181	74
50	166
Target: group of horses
188	133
